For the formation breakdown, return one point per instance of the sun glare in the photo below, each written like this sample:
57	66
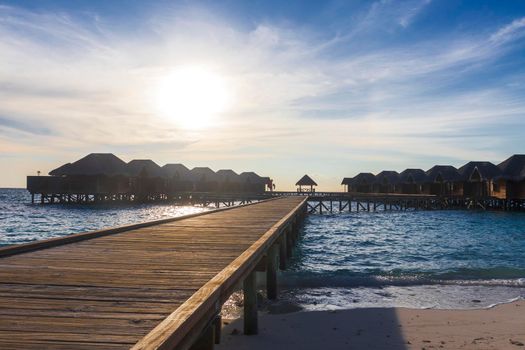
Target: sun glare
193	97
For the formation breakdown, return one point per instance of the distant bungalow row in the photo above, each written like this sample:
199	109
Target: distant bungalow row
104	174
474	179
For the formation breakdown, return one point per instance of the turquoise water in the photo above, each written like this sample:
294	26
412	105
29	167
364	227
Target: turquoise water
22	222
442	259
438	259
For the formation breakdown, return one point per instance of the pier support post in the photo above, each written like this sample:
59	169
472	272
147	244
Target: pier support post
271	273
282	252
289	242
250	305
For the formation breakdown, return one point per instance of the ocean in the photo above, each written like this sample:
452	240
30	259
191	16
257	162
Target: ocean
421	259
23	222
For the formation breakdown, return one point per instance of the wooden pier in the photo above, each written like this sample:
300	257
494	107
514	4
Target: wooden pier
335	202
157	285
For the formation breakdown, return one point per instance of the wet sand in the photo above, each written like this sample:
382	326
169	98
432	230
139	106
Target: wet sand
501	327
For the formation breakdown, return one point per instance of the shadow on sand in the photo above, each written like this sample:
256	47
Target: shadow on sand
366	328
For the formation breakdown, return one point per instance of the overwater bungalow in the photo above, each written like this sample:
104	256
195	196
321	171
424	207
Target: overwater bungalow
443	180
179	178
306	181
204	179
362	183
510	184
478	177
386	181
102	173
229	180
346	183
411	181
251	182
147	179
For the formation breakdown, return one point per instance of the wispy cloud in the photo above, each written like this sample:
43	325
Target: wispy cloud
511	31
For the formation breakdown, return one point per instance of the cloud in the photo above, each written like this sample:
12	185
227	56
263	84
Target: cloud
511	31
79	84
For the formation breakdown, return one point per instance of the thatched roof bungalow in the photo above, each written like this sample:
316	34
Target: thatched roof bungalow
363	182
411	181
306	181
477	178
386	182
146	178
251	182
95	173
204	179
229	180
179	178
510	184
444	180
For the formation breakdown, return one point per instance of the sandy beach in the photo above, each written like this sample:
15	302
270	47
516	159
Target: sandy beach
501	327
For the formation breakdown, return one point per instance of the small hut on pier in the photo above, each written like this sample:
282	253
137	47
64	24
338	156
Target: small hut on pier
252	183
306	181
411	181
362	183
510	184
386	182
229	181
179	178
443	180
346	183
478	177
204	179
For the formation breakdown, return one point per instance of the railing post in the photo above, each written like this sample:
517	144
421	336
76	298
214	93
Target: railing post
271	273
250	305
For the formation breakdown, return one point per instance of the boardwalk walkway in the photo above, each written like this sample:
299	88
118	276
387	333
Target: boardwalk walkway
149	287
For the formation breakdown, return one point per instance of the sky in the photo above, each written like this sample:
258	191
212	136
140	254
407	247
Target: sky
282	88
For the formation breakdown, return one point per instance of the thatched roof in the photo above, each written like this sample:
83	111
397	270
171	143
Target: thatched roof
387	177
61	170
444	173
228	175
250	177
417	176
204	174
306	181
94	164
346	181
144	167
513	168
363	179
177	171
485	171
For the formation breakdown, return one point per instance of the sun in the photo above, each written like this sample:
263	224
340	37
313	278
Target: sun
192	96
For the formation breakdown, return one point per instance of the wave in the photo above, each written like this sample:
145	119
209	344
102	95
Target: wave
508	277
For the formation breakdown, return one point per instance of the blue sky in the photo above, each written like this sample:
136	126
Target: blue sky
328	88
